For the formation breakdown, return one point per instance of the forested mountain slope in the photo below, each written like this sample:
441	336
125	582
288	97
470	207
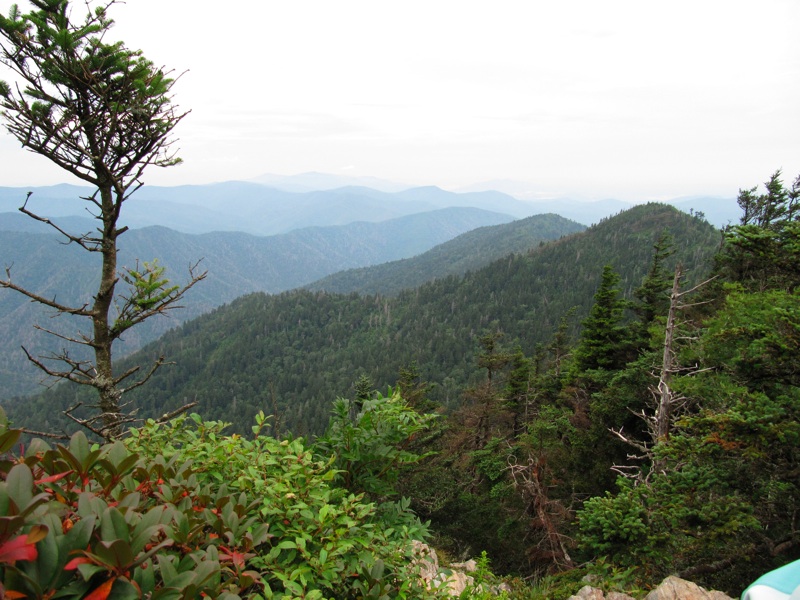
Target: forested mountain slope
293	353
237	264
468	251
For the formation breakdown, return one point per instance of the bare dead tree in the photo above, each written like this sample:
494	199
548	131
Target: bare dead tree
666	401
529	480
103	113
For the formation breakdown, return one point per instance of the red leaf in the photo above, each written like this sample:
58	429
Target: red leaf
234	556
18	549
73	564
102	592
10	594
53	478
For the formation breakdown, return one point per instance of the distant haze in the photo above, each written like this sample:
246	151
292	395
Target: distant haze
317	199
628	100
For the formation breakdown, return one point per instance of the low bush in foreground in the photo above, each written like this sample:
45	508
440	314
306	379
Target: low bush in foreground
183	511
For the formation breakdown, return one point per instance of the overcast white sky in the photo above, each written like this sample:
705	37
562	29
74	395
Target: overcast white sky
628	99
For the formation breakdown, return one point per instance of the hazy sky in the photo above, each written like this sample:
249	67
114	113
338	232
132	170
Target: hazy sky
628	99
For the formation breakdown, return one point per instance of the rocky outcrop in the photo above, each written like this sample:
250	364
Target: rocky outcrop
588	592
427	561
453	580
672	588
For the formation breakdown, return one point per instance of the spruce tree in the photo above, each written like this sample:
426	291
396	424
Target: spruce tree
653	294
604	340
103	113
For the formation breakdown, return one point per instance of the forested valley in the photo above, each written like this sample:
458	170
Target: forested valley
236	264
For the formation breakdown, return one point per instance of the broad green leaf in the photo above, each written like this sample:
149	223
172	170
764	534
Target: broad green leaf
19	486
144	575
113	526
116	553
8	438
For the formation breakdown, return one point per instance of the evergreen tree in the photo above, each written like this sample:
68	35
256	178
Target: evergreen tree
763	251
103	113
517	389
604	338
491	357
653	294
414	390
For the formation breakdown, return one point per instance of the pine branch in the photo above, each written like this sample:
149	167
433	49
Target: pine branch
82	240
63	308
178	411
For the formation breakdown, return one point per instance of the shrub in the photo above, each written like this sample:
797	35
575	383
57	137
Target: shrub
182	511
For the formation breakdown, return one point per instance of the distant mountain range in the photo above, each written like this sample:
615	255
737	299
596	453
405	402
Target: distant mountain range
276	204
719	211
314	181
258	209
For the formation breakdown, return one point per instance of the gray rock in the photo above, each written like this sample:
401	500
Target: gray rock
587	592
469	566
674	588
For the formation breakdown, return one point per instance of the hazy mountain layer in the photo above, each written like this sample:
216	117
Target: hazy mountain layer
260	209
237	264
471	250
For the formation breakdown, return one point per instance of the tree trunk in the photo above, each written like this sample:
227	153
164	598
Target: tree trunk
107	388
664	412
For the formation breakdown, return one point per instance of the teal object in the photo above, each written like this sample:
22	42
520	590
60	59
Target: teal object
783	582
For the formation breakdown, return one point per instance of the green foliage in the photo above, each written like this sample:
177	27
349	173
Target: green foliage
667	525
103	113
604	341
653	294
483	570
558	585
470	251
764	249
125	100
518	456
101	521
295	352
149	291
756	337
185	511
612	578
325	537
617	525
721	506
371	446
491	463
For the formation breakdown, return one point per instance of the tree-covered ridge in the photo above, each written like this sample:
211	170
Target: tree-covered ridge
292	353
613	404
469	251
236	264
